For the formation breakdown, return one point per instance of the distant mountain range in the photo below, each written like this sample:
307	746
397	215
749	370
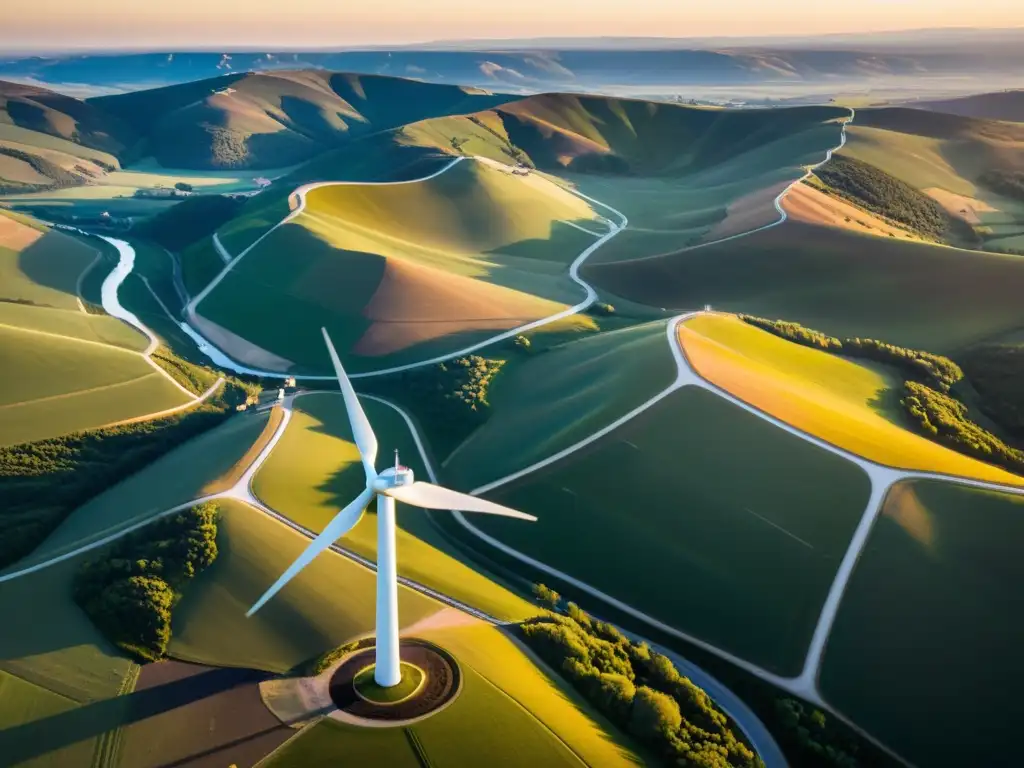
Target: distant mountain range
525	66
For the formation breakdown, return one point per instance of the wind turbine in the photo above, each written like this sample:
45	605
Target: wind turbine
393	483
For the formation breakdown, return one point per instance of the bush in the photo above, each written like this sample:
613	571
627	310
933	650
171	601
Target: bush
129	592
546	596
654	716
944	419
877	191
601	308
809	733
521	342
325	661
182	186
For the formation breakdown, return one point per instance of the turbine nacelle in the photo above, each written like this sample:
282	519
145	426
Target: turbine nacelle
392	477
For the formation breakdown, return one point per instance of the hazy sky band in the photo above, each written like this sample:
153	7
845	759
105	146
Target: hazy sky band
325	23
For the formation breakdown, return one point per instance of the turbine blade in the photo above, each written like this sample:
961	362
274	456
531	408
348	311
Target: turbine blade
362	432
342	523
430	496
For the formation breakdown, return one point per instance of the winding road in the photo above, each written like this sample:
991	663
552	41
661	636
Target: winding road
882	478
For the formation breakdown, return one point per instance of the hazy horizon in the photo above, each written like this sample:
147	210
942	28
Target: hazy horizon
50	25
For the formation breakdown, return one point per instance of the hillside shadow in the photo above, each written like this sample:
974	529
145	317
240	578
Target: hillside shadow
51	262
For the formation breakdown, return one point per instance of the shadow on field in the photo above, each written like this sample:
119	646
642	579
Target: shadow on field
40	737
53	262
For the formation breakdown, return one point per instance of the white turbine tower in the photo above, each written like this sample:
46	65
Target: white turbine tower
391	484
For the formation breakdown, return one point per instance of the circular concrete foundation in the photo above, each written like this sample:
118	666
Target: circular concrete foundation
441	684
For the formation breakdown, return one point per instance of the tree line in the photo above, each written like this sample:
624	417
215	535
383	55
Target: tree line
934	370
637	688
42	482
130	590
929	402
190	220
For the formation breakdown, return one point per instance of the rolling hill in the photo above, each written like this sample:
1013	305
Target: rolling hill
1003	105
51	141
402	272
950	158
74	370
276	119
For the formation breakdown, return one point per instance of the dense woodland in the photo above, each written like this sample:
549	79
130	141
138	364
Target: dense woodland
130	590
196	379
1003	182
58	177
945	419
190	220
875	190
41	483
927	401
638	689
997	373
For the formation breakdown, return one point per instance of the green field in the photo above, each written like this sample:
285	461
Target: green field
663	493
557	398
188	472
486	251
75	371
315	471
509	709
329	603
58	675
842	283
929	622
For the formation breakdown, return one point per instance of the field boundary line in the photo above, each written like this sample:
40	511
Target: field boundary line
90	390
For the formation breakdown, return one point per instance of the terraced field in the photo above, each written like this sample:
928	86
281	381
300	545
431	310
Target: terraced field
428	267
849	404
928	623
315	470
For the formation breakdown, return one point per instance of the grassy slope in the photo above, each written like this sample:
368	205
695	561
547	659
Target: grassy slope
509	709
315	471
274	119
654	515
939	154
561	396
843	283
1004	105
64	384
929	622
192	470
329	603
57	704
482	253
849	404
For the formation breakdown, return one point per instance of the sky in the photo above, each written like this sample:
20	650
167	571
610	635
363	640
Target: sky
134	24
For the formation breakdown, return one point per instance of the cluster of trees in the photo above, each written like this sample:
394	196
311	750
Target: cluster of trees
451	396
812	736
934	370
996	371
1009	183
602	308
325	661
190	220
639	689
130	590
41	483
877	191
945	419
